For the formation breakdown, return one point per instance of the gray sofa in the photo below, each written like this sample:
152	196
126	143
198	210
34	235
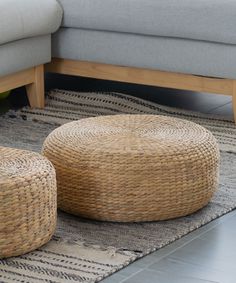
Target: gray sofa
25	44
186	36
184	44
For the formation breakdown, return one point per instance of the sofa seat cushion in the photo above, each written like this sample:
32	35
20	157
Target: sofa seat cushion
206	20
28	18
177	55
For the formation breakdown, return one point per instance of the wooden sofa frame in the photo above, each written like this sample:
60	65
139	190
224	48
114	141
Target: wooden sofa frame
145	77
33	79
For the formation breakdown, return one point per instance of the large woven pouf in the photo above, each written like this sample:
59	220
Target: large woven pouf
28	201
133	167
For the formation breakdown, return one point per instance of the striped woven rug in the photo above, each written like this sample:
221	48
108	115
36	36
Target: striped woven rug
87	251
64	106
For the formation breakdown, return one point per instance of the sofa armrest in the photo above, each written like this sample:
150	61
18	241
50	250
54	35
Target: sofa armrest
28	18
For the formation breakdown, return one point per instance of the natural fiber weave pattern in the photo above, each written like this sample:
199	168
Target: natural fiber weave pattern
133	167
84	250
28	201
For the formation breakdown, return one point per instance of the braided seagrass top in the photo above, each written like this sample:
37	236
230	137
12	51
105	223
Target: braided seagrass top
124	134
20	166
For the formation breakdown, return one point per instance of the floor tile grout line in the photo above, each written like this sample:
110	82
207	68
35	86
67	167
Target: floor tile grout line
174	250
131	275
190	240
167	254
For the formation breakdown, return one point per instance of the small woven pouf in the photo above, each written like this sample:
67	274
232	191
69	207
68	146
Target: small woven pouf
131	168
28	201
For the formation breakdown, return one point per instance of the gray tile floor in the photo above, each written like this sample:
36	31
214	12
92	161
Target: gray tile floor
204	256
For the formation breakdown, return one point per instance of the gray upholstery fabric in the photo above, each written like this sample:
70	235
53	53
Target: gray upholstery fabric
209	20
25	53
162	53
28	18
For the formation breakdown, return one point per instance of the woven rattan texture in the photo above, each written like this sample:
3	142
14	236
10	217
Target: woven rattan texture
133	167
28	201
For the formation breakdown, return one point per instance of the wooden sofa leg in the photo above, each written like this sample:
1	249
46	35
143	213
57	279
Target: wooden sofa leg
35	91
